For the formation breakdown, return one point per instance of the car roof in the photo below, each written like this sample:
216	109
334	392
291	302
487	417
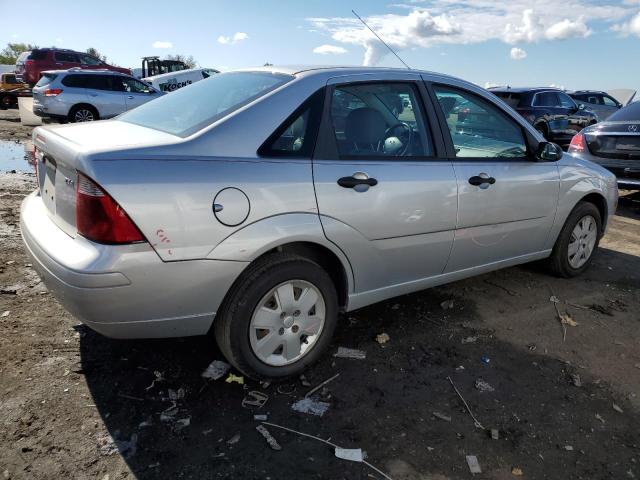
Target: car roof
83	71
588	91
524	89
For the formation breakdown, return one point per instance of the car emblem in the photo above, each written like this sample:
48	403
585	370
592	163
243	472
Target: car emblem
633	128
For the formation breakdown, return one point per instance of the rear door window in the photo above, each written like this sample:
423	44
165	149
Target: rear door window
75	81
379	119
66	57
547	99
565	100
89	60
609	102
97	82
478	128
37	55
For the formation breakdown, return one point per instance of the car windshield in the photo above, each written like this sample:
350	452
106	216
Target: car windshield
192	108
629	113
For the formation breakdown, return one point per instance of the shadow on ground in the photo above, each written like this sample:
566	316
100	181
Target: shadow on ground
549	427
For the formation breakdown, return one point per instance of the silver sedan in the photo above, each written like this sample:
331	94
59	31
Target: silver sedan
259	204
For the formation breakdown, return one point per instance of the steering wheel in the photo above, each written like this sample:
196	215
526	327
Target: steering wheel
406	136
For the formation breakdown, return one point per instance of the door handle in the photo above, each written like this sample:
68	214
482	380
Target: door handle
359	181
482	179
130	97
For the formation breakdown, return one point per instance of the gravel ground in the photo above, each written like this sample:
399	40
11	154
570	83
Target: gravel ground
74	404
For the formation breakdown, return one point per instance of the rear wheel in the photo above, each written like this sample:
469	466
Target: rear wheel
278	317
83	113
578	240
6	101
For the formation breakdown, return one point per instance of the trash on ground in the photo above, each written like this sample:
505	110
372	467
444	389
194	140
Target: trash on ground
554	299
159	377
516	472
175	395
145	423
476	423
235	378
567	319
182	423
474	466
351	454
617	408
447	304
485	359
469	340
169	414
261	417
344	352
216	370
575	379
5	313
382	338
255	399
599	417
484	386
318	387
233	440
273	443
327	442
568	448
311	405
495	434
441	416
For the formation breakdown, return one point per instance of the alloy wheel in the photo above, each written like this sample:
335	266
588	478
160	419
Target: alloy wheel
287	323
582	241
83	115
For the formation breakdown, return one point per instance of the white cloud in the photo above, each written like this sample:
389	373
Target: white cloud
162	44
517	53
631	27
472	21
237	37
329	49
568	29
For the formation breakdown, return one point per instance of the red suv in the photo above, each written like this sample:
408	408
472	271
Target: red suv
30	65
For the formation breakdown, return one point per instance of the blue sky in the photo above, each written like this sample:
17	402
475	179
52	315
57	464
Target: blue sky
573	43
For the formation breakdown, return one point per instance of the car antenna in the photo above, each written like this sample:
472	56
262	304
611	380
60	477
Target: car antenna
378	37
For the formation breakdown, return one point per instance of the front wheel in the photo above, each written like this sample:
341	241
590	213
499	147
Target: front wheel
278	317
578	240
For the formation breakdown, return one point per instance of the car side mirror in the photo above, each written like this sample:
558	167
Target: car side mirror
548	152
581	106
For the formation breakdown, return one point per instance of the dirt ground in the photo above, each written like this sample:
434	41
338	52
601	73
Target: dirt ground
74	404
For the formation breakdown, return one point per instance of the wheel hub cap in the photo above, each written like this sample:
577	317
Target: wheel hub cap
582	242
287	323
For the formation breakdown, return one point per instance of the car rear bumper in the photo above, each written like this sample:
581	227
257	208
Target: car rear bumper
124	291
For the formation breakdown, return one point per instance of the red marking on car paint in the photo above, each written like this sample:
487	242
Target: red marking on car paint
41	138
162	236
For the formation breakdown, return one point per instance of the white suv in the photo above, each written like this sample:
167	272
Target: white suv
77	95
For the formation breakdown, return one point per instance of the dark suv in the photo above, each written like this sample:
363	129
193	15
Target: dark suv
30	65
551	111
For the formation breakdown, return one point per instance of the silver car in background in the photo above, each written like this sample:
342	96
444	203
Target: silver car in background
78	95
258	204
600	103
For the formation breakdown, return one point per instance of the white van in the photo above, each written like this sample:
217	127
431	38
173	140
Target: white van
168	82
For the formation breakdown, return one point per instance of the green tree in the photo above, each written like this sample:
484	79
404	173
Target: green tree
9	55
95	53
189	61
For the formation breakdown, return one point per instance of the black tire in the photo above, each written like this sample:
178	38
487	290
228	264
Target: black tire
559	260
5	102
233	320
80	108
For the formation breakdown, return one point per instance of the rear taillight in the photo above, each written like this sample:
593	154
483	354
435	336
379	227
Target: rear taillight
28	63
99	217
578	144
52	92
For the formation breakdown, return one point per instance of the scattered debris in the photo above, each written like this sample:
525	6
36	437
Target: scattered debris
475	420
599	417
311	406
484	386
255	399
175	395
517	472
344	352
382	338
474	466
567	319
235	378
485	359
447	305
261	417
233	440
617	408
273	443
495	434
5	313
145	423
182	423
327	442
216	370
441	416
575	379
303	381
469	340
8	291
315	389
351	454
286	389
169	414
159	378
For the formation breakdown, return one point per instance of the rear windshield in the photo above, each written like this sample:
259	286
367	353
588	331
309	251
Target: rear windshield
510	98
189	109
630	113
46	79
